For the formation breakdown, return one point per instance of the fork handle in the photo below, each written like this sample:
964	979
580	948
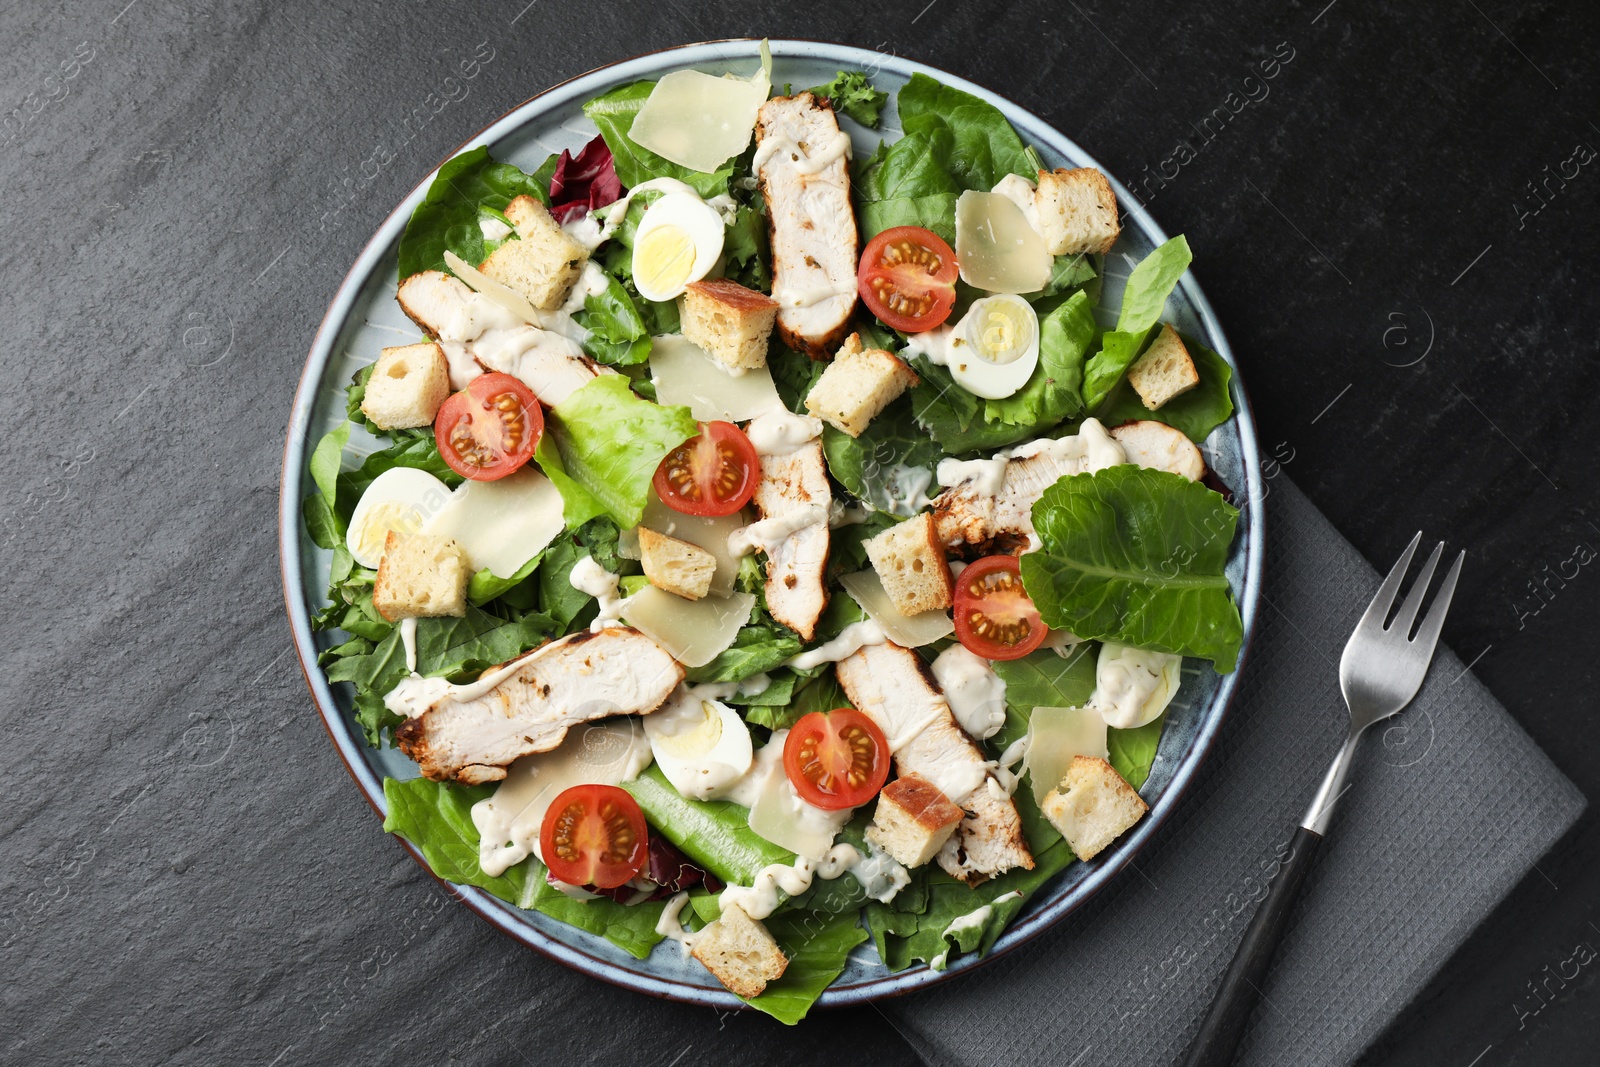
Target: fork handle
1225	1023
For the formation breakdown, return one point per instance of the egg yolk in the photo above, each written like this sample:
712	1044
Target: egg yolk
663	259
999	336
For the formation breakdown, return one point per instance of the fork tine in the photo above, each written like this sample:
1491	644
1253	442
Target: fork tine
1419	589
1428	633
1383	599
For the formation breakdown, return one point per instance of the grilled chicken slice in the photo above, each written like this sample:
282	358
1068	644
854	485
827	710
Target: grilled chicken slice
469	735
895	687
802	159
478	334
969	515
796	565
1155	444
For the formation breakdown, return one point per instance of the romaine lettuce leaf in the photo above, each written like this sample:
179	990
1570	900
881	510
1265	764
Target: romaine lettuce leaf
1136	556
607	442
1143	299
436	817
757	647
1195	413
614	113
715	834
818	946
1042	679
907	183
618	335
1132	752
984	146
447	218
891	465
852	94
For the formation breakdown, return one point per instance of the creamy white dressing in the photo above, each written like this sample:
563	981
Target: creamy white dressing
906	489
1004	778
778	433
408	639
592	282
938	345
812	160
977	917
585	229
808	296
746	791
617	211
985	475
589	577
1133	685
462	367
842	514
760	899
767	534
493	229
1061	642
976	694
880	874
851	640
416	694
670	925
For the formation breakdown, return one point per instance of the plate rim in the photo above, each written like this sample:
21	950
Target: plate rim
504	916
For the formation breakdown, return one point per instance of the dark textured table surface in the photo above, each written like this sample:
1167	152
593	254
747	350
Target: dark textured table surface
1397	229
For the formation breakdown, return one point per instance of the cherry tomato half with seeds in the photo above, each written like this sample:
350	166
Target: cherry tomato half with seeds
836	759
489	429
994	616
594	835
712	473
907	278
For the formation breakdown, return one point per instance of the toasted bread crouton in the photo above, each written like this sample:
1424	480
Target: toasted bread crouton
1077	211
674	565
857	385
1164	371
909	559
913	820
730	322
740	952
1092	806
421	576
1161	447
407	386
543	263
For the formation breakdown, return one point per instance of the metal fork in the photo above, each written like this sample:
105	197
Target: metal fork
1380	672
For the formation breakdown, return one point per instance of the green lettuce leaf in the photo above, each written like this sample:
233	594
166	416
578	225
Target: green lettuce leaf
447	218
1133	751
822	693
984	146
890	465
908	183
852	94
745	245
436	817
618	335
1136	556
818	946
1145	295
608	443
715	834
486	585
1042	679
1195	413
756	648
614	113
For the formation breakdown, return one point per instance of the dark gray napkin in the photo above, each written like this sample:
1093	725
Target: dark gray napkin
1450	807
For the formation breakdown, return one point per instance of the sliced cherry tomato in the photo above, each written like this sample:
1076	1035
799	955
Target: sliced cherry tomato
712	473
836	759
994	616
594	835
490	428
908	278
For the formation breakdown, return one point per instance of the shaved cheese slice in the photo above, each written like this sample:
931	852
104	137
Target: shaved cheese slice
709	532
503	524
996	246
1055	736
684	374
505	296
910	631
698	120
780	816
693	632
